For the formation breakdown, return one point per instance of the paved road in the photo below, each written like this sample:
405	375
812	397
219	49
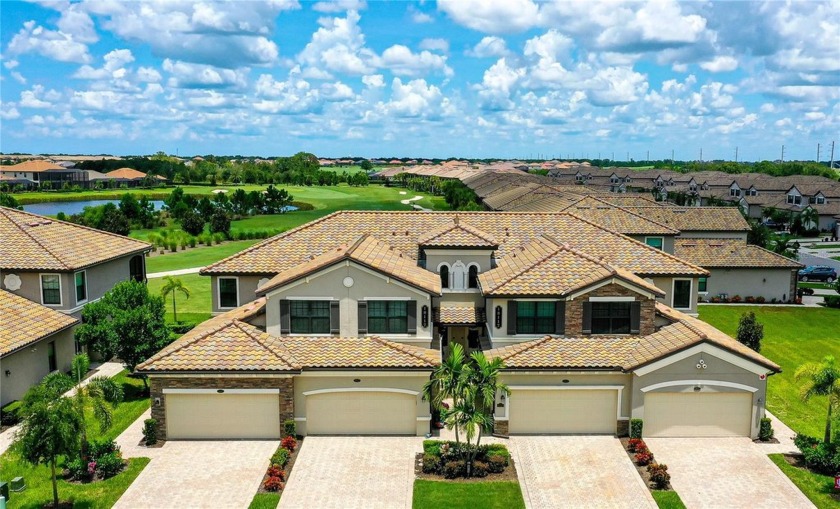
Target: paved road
807	259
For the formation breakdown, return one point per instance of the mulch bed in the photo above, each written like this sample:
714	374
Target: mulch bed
287	468
156	445
641	470
509	473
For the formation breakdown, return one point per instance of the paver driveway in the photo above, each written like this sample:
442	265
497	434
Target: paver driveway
723	473
197	474
353	472
577	472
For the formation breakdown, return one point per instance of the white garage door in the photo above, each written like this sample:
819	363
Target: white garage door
690	414
361	413
563	411
221	416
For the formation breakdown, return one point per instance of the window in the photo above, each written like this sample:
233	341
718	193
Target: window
444	276
228	292
310	317
388	317
611	317
753	192
794	199
820	200
682	293
81	287
701	284
51	356
51	289
137	269
734	192
473	276
535	317
655	242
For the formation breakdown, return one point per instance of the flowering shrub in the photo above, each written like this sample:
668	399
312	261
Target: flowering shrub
735	299
659	475
643	457
275	471
273	484
289	443
760	299
749	300
636	444
91	468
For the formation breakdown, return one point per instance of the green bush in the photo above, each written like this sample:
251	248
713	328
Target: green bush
100	448
453	469
9	414
496	463
497	450
109	465
832	301
77	469
192	241
824	458
480	469
765	431
636	426
150	427
432	447
431	464
289	428
281	457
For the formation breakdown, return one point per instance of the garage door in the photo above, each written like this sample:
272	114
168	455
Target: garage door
361	413
218	416
563	411
689	414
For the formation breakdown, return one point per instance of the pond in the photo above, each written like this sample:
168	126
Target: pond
73	207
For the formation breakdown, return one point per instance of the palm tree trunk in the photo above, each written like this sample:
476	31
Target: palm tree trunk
828	423
174	311
54	484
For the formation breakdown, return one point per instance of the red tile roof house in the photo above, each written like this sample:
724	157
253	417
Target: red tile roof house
337	324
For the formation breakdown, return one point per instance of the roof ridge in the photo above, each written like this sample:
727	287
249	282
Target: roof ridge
189	341
291	362
358	242
400	347
28	234
526	268
634	214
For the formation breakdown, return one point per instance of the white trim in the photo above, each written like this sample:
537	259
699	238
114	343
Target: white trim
368	299
347	263
76	289
225	391
300	419
60	288
706	348
656	237
450	252
637	289
612	299
219	292
310	298
217	376
426	418
361	374
690	292
360	389
714	383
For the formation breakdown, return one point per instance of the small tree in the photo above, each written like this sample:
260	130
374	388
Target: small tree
192	223
750	332
366	165
51	428
174	285
821	379
220	222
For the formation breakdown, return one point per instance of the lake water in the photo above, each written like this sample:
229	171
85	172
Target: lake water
73	207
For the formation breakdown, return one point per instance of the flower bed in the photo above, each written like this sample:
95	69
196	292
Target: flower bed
282	461
103	460
446	461
655	475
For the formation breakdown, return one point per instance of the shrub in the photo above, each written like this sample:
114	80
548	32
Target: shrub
288	443
431	464
636	426
453	469
100	448
760	299
173	246
192	241
289	428
749	299
643	457
480	469
273	484
750	331
636	444
192	223
276	471
819	456
497	450
659	475
281	457
77	469
432	447
9	414
109	464
735	299
832	301
496	463
150	431
765	431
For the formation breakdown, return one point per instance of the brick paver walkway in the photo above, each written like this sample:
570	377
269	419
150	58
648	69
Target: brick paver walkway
725	473
353	472
577	472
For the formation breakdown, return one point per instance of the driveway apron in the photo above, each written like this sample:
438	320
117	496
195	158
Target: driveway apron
577	472
725	473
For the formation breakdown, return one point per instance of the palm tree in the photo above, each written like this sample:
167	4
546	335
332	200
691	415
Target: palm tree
810	218
821	379
174	285
446	381
481	389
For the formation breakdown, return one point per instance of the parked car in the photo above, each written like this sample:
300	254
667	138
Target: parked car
818	273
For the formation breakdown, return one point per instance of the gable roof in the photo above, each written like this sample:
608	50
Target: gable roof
546	267
696	218
33	242
126	173
367	251
23	322
457	234
401	230
729	253
618	219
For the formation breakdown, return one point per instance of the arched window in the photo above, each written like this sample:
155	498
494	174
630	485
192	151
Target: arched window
444	276
473	277
137	269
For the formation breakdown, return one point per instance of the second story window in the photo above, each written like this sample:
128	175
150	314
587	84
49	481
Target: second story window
81	287
794	199
682	294
702	284
611	317
535	317
733	191
387	317
310	316
655	242
444	276
473	277
51	289
228	292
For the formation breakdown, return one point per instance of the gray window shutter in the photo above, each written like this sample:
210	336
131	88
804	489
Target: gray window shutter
587	318
285	319
635	316
560	317
411	308
335	322
511	318
362	318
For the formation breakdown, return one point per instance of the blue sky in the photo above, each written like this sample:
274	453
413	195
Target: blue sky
453	78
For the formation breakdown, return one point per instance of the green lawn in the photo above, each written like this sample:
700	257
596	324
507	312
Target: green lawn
819	286
198	257
792	336
818	488
479	495
188	309
265	501
100	494
668	500
821	245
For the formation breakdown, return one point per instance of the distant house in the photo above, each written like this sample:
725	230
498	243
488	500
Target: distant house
132	177
45	173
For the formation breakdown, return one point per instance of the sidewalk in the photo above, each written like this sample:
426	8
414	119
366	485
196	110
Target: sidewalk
179	272
106	369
